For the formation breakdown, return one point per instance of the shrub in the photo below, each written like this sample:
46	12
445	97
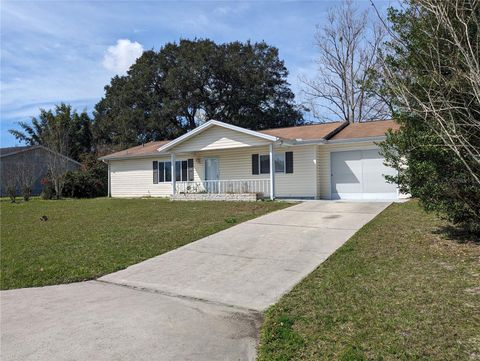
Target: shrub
26	192
434	97
434	175
90	181
11	193
48	190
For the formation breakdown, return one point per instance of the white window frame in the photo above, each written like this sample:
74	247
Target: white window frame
164	171
181	170
260	163
282	154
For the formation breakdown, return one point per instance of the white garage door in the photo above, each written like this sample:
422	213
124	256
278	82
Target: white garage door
359	174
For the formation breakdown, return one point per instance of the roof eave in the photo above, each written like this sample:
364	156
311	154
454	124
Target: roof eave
307	141
23	150
356	140
39	146
133	156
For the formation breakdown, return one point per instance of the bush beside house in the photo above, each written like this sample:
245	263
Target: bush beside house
89	181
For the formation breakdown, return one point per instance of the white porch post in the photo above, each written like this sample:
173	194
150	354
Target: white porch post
272	173
174	178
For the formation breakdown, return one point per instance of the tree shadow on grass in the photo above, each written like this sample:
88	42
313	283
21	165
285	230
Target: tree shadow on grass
458	234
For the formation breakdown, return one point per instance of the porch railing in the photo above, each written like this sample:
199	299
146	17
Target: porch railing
224	186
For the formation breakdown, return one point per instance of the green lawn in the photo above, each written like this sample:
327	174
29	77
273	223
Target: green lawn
398	290
84	239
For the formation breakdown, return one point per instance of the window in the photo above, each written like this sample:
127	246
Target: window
279	160
168	171
264	164
283	163
181	170
178	175
162	171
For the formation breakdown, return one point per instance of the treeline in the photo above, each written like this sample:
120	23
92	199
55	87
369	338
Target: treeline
171	91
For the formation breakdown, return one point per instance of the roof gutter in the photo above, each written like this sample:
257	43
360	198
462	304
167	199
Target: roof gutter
356	140
126	157
307	141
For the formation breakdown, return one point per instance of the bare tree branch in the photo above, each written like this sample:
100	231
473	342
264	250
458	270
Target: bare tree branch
348	56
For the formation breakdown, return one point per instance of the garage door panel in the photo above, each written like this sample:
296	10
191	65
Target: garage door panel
346	172
373	173
359	174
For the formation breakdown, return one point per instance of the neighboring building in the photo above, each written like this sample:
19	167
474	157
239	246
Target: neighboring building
28	161
322	161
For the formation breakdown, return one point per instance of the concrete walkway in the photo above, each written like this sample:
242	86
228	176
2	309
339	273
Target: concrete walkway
202	301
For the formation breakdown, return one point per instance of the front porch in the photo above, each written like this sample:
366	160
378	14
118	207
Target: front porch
223	162
231	190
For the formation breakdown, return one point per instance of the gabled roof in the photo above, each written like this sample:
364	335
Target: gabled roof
304	134
14	150
370	129
213	123
9	151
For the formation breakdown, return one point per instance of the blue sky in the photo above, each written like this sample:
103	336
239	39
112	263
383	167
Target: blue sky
54	51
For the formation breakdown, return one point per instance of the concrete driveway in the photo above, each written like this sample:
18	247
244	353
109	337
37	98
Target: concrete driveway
202	301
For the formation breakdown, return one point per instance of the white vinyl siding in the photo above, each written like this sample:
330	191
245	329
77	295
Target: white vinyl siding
134	178
218	138
237	164
302	182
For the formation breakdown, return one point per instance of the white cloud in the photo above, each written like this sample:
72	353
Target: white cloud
118	58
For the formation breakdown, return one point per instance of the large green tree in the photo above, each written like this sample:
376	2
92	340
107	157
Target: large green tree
172	91
77	128
432	76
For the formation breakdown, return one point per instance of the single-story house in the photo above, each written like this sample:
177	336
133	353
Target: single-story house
322	161
28	164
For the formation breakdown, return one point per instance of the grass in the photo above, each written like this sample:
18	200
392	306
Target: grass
398	290
84	239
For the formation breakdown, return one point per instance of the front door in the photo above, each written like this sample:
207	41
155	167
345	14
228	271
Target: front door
211	175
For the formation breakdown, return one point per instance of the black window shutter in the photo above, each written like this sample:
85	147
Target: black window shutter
288	162
155	172
190	170
255	165
161	171
184	170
